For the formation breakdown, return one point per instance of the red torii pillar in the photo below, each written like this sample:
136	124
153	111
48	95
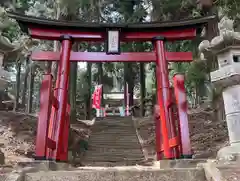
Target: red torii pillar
57	131
163	92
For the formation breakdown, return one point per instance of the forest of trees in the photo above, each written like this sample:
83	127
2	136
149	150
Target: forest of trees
27	83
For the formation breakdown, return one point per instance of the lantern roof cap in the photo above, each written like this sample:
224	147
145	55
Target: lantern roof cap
227	39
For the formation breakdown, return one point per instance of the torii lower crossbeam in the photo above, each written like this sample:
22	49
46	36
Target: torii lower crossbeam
103	57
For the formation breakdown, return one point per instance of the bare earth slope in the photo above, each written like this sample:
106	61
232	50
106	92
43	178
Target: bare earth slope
18	135
208	135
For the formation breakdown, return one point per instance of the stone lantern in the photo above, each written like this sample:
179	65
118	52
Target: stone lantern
5	48
226	47
8	50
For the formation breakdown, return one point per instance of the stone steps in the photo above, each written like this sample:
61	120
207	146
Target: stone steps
120	175
165	170
113	140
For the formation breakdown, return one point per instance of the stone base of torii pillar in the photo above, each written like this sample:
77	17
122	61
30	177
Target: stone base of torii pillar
226	47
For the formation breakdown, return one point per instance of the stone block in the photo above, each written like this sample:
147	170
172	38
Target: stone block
162	175
180	163
45	165
70	176
120	175
12	177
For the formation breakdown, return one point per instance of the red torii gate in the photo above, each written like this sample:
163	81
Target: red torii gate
53	123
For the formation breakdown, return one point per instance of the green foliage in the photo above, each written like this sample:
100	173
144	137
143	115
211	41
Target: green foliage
230	8
196	73
128	11
12	32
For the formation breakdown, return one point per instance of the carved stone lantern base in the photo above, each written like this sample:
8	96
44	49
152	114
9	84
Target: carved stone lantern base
231	97
226	47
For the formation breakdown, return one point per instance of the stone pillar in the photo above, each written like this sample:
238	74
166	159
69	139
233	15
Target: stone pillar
226	47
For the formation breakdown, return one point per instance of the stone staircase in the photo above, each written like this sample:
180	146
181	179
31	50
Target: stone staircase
113	142
164	170
167	170
114	151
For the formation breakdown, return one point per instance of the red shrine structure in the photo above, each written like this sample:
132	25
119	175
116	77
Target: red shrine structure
172	134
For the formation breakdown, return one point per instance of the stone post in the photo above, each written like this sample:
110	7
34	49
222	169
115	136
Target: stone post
226	47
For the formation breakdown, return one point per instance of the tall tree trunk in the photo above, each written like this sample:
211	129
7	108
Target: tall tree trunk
100	81
89	97
56	44
24	92
2	92
212	31
30	91
131	85
18	83
125	84
142	88
128	79
56	48
73	90
73	87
